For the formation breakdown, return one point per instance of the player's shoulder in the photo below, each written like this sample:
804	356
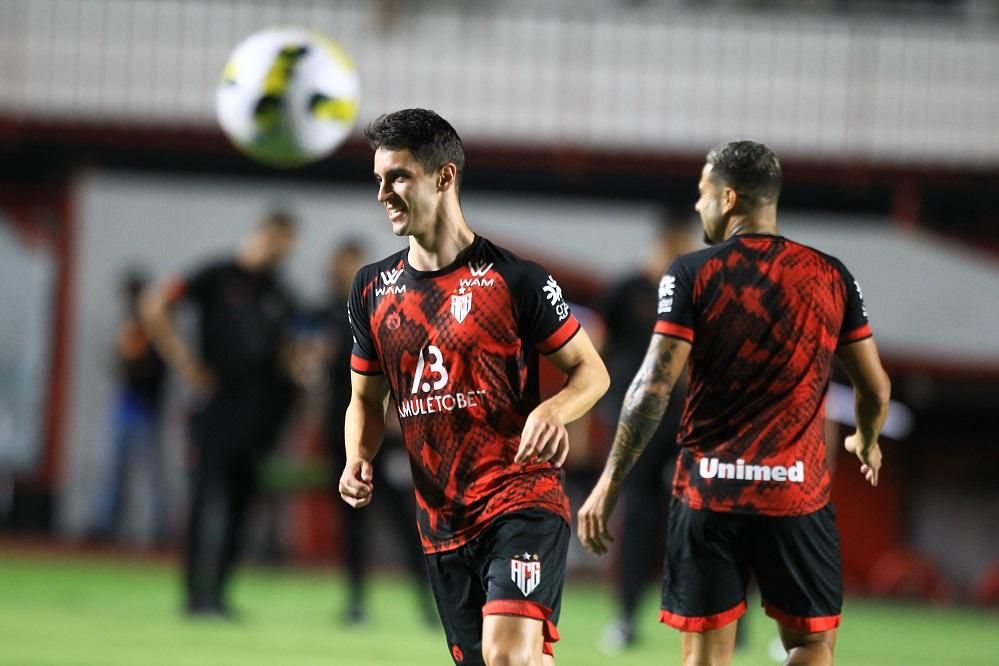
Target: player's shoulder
510	265
209	270
692	262
819	255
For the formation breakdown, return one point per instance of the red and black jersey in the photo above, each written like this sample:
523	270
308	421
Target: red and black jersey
459	347
764	316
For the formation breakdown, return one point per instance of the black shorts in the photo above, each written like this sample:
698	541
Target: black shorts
711	555
515	567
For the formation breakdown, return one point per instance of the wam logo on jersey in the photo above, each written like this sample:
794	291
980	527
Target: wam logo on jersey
525	571
389	279
461	304
479	268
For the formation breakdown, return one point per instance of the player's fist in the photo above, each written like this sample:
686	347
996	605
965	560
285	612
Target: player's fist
356	486
544	437
869	456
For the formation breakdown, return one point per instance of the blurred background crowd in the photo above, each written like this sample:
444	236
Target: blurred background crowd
585	125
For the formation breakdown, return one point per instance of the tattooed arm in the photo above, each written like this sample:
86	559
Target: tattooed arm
643	409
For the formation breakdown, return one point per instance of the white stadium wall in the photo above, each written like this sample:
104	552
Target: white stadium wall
651	76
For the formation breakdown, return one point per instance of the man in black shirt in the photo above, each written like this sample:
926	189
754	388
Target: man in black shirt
243	392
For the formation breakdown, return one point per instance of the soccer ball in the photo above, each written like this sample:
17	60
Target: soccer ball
288	96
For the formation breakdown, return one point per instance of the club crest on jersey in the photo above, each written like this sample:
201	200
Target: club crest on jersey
525	571
461	304
393	321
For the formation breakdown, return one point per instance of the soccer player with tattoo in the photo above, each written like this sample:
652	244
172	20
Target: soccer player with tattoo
452	326
759	318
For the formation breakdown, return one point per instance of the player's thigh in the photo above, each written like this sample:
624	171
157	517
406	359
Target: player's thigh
525	555
797	565
460	596
706	570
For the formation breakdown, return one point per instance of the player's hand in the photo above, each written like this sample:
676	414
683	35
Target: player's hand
594	517
869	456
356	485
544	437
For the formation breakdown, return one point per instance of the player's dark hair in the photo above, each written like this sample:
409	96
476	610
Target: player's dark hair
428	137
749	168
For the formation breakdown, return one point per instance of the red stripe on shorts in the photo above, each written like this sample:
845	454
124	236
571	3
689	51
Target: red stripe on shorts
705	622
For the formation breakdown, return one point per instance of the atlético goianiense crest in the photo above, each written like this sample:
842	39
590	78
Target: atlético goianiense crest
525	571
461	304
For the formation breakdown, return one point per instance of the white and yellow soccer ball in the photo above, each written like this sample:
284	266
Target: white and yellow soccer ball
288	96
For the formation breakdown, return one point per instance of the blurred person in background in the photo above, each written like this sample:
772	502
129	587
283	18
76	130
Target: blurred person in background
760	318
239	374
452	327
138	402
391	465
629	310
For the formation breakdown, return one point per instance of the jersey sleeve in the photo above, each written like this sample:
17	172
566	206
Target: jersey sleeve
544	317
855	324
363	358
675	316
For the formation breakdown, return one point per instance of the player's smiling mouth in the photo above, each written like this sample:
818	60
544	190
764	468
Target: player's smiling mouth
395	212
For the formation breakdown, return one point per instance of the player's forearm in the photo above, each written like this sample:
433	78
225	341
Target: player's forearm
643	409
587	383
871	410
364	428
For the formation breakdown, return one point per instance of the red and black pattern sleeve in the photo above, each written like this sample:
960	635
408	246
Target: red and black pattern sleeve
676	303
855	324
363	357
543	315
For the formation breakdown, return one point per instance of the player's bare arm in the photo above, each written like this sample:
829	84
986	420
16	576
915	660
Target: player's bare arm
872	393
643	409
363	430
157	319
544	436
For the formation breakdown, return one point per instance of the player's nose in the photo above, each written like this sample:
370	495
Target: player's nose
384	191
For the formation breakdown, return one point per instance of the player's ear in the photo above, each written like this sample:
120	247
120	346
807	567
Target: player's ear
447	177
730	199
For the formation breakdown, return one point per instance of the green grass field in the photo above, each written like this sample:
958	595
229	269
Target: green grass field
83	611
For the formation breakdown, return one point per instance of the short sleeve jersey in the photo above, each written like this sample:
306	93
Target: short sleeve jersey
459	348
764	316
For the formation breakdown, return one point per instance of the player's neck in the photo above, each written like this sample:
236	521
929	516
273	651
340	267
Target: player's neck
758	222
440	245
